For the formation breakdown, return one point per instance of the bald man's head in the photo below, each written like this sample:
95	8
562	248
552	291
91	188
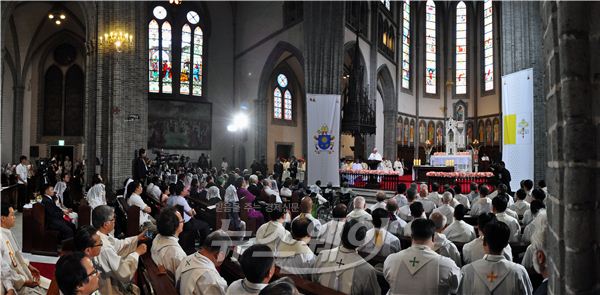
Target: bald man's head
306	205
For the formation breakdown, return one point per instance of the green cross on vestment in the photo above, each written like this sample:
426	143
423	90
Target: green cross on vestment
414	261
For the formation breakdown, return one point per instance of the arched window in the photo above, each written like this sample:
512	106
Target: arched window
387	37
63	94
488	45
430	49
282	99
169	67
461	49
406	45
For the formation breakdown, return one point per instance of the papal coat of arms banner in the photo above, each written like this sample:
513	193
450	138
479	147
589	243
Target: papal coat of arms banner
323	132
518	125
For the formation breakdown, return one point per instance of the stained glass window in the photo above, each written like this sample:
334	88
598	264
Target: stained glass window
198	65
186	59
159	12
167	66
161	58
193	17
153	57
287	106
277	103
282	105
488	45
461	48
430	49
406	45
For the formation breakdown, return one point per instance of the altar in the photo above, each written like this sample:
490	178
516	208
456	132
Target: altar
460	162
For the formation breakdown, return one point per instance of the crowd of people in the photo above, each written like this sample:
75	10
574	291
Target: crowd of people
285	239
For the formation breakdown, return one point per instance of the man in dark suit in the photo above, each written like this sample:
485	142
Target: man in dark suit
139	166
54	215
278	170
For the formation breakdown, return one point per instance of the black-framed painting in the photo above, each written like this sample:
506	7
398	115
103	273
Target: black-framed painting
179	125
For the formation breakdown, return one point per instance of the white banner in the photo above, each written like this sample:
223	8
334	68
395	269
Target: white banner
323	138
517	125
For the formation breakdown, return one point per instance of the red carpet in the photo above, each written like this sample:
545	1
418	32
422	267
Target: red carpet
46	270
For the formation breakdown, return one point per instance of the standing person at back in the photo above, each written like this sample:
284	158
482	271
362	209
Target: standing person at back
493	274
140	170
418	269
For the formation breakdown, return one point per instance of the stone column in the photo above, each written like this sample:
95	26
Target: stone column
18	149
122	91
571	44
390	147
324	46
521	48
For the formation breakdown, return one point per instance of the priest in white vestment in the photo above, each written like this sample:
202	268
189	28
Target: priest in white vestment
375	156
118	259
434	195
399	166
499	205
24	277
520	206
295	256
428	205
494	274
441	244
418	269
462	199
483	204
197	274
397	224
460	231
166	250
359	213
273	232
446	209
343	269
258	265
378	240
331	232
474	250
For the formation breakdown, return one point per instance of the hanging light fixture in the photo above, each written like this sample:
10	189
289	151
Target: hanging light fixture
118	40
176	2
57	15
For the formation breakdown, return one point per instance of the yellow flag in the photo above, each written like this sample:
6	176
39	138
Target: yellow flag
510	129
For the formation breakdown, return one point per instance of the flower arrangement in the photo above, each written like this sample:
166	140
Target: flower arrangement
370	172
459	174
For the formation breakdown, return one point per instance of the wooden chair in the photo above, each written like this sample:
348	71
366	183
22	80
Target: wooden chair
153	281
133	221
37	239
85	213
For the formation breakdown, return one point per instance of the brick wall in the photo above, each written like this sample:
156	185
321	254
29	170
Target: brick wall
571	85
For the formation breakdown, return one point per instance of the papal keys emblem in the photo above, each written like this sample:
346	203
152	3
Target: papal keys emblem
324	141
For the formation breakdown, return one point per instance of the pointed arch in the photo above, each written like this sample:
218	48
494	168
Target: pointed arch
264	89
385	86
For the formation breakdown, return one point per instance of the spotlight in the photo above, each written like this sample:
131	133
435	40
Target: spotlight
57	22
241	120
50	16
232	128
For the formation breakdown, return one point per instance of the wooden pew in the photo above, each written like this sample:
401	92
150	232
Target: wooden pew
151	280
37	239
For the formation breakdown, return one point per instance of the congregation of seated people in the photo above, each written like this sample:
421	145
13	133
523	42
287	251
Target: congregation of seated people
425	239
